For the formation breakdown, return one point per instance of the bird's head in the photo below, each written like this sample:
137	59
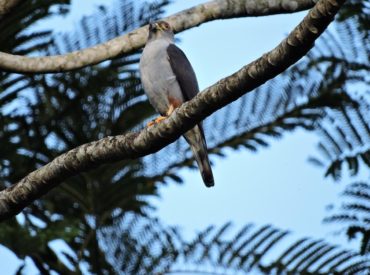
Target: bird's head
160	29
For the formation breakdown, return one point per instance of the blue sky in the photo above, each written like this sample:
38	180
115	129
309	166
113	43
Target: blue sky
273	186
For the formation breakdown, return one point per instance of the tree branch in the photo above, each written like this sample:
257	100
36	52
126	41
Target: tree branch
7	5
152	139
213	10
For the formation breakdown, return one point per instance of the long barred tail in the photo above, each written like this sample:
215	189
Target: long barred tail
197	142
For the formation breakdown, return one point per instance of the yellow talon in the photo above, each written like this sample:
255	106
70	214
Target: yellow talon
155	121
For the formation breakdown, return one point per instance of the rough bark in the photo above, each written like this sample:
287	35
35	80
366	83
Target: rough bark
213	10
150	140
7	5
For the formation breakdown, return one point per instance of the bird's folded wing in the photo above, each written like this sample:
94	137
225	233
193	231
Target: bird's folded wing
183	71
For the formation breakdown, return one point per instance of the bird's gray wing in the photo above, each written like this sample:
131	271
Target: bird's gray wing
183	71
188	83
184	74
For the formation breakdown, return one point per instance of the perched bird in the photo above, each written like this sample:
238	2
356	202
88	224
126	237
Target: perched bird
169	80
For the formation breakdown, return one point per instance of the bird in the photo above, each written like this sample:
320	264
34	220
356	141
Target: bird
169	80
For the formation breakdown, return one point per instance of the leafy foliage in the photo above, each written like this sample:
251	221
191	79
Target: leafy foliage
140	245
345	132
354	213
346	136
158	250
360	11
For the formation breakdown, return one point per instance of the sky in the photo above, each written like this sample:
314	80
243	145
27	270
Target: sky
276	185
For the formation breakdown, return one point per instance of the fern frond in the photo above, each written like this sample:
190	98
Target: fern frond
248	252
354	213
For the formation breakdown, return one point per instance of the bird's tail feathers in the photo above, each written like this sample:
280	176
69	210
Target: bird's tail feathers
196	140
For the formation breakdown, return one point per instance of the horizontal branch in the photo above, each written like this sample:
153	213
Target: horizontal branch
152	139
213	10
7	5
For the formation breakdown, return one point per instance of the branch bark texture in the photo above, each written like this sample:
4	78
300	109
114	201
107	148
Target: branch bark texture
213	10
152	139
7	5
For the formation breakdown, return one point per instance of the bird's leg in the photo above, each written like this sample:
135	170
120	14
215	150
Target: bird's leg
170	110
156	120
160	118
173	104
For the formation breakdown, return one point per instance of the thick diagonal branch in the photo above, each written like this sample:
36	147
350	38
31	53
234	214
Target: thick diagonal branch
213	10
150	140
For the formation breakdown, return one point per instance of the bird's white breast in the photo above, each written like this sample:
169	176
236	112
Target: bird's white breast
158	79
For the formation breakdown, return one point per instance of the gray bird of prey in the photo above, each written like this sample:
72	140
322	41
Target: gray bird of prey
169	80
